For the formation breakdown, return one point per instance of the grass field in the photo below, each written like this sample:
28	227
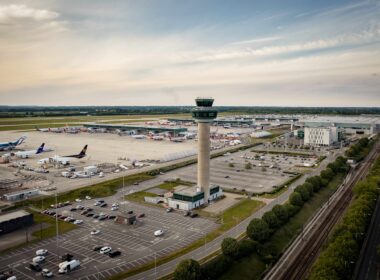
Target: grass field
139	196
253	266
233	215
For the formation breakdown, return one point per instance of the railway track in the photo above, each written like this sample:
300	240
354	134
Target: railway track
297	267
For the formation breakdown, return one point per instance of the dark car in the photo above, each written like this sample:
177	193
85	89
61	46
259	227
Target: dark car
89	214
142	215
130	212
103	205
96	216
110	217
194	215
73	209
97	248
84	212
35	267
63	217
113	254
67	257
89	209
101	218
52	213
169	209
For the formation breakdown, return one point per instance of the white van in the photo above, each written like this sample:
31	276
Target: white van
67	266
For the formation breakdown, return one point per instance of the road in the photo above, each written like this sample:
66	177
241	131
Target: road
209	248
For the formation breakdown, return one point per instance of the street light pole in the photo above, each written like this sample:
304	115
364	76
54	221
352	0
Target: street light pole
56	222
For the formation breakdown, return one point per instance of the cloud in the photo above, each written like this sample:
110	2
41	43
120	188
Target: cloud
14	12
258	40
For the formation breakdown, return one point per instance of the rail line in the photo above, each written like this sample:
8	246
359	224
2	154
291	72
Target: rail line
297	267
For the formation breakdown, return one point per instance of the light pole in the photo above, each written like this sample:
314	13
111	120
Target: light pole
56	222
155	265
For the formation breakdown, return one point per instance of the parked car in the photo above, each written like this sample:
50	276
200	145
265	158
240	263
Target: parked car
105	250
47	273
169	209
158	232
113	254
103	205
78	200
95	232
73	209
88	197
35	267
89	214
142	215
97	248
38	259
101	218
41	252
78	222
84	212
96	216
114	208
115	205
194	215
80	207
110	217
67	257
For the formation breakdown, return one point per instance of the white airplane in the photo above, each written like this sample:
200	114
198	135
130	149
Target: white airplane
65	160
30	153
139	136
5	146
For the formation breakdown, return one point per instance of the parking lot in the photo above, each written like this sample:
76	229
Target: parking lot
137	243
230	171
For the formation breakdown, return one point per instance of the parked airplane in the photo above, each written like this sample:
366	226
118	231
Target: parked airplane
64	160
30	153
5	146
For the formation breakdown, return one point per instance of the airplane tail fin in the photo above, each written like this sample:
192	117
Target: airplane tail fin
83	152
20	140
40	149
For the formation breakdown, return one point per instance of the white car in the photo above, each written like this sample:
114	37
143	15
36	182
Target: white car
78	222
38	259
88	197
105	250
78	200
158	232
115	205
114	208
95	232
68	219
47	273
41	252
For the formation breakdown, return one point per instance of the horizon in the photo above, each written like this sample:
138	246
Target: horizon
155	53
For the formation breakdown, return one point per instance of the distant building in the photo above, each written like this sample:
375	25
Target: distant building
20	195
15	220
320	136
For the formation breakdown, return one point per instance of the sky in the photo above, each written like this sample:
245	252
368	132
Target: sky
168	52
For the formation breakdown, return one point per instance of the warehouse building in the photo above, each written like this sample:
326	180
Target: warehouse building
15	220
20	195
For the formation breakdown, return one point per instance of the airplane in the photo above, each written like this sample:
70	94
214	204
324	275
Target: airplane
139	136
5	146
64	160
30	153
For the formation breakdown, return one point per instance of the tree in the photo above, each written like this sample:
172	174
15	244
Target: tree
309	187
280	212
296	199
258	230
303	192
327	174
271	219
188	270
315	182
230	247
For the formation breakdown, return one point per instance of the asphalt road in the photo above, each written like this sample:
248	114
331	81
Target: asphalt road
209	248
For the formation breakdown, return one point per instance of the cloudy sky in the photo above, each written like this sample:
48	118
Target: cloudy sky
166	52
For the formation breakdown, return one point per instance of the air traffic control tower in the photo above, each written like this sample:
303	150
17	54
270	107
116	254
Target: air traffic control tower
204	114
